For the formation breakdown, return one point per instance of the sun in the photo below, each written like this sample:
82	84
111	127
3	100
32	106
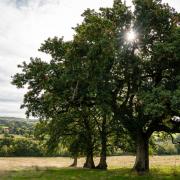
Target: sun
131	36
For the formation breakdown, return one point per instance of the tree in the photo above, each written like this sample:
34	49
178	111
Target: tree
157	96
73	80
131	84
151	77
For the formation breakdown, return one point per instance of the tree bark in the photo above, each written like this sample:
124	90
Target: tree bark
89	161
74	164
102	163
142	154
89	145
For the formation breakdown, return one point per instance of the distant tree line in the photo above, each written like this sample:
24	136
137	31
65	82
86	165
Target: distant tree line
11	146
19	147
17	127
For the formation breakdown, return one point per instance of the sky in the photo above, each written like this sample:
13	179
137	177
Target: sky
24	25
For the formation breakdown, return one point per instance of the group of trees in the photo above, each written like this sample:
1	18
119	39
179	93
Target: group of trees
164	145
10	146
13	146
99	87
17	127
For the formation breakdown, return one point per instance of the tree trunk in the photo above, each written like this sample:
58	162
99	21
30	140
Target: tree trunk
89	145
102	163
142	154
74	164
89	161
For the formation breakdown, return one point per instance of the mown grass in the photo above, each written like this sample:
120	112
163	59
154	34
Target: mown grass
86	174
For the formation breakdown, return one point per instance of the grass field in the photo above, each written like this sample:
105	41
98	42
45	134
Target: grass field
162	167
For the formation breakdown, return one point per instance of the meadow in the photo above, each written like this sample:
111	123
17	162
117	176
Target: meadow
162	167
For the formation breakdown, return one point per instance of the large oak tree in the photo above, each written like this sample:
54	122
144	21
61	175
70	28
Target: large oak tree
130	83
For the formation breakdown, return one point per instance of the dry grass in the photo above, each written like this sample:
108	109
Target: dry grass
10	164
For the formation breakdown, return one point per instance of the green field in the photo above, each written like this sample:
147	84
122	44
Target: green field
78	174
162	167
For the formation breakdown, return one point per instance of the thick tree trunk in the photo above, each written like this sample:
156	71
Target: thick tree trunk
89	161
102	163
74	164
89	145
142	154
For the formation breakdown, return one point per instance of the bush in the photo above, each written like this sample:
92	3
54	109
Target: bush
167	149
19	147
25	147
4	151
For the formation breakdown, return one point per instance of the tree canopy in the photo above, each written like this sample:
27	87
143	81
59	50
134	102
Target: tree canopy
99	83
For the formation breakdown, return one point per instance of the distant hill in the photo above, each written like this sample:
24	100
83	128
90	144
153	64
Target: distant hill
17	126
16	119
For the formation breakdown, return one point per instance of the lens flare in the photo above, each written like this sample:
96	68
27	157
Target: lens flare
131	36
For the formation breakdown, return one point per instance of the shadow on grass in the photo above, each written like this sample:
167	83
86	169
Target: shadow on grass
87	174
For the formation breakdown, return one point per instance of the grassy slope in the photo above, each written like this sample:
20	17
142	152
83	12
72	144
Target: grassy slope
85	174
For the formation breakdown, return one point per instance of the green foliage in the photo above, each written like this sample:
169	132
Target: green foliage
161	144
177	139
25	147
99	82
17	126
20	147
166	149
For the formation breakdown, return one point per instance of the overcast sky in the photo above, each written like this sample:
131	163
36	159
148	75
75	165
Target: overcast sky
24	25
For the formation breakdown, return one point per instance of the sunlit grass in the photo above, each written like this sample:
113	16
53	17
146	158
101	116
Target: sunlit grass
78	173
162	167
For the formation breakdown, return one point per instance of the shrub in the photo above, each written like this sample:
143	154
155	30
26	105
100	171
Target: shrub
26	147
19	147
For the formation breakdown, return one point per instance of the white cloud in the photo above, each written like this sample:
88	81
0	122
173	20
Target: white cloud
24	25
173	3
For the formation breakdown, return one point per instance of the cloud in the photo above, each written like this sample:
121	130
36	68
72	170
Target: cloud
11	109
24	25
173	3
